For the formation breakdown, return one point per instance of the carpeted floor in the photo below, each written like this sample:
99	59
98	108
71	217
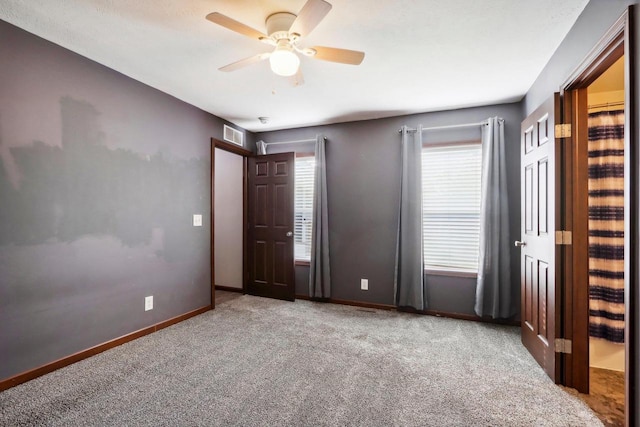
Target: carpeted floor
262	362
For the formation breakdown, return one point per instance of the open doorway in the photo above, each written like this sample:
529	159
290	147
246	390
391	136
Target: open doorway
598	183
252	204
605	230
228	219
599	186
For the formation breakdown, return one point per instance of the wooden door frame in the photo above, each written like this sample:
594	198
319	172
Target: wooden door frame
235	149
620	39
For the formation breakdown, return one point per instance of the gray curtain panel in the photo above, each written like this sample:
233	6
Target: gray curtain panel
320	271
409	274
261	147
495	295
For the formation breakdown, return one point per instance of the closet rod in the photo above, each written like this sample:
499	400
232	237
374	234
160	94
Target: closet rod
606	104
463	125
293	142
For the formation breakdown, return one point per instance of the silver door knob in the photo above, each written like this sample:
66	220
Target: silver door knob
518	243
289	233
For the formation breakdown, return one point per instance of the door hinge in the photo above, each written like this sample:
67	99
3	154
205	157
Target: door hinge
564	237
562	346
563	130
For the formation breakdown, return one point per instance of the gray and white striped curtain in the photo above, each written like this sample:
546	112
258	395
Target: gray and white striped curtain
606	225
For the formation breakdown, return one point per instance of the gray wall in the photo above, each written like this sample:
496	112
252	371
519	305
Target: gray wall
363	170
99	177
363	179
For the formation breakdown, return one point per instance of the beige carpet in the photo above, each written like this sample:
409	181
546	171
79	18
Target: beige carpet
262	362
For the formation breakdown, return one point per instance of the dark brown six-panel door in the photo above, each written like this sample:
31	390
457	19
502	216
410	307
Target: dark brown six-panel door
270	195
539	293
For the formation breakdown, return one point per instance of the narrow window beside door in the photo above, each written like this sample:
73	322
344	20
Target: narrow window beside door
305	168
451	177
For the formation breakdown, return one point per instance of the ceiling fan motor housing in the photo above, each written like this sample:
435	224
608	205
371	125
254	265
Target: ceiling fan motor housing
278	25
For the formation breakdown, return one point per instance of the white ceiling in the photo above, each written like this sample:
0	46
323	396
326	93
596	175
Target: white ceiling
421	55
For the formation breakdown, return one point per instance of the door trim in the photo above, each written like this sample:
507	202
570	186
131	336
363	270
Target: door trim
620	39
576	273
232	148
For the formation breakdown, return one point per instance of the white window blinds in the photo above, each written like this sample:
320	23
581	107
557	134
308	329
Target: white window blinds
451	177
305	168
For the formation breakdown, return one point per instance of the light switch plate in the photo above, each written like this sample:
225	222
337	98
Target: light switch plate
364	284
148	303
197	220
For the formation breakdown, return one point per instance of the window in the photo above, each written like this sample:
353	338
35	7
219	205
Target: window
451	177
305	168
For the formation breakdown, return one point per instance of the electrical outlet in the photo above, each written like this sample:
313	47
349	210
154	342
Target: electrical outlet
197	220
148	303
364	284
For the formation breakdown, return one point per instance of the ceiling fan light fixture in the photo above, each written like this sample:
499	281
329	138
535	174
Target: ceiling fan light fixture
284	62
284	30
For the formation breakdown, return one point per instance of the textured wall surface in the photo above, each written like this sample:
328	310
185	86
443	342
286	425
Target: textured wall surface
363	180
99	177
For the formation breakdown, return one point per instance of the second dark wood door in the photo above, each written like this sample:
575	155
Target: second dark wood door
540	321
270	196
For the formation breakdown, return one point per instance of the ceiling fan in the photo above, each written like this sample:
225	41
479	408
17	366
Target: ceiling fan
284	31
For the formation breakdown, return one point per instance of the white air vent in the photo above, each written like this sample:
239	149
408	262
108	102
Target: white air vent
233	135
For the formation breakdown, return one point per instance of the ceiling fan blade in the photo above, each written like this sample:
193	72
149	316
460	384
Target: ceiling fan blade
238	27
297	79
310	16
333	54
245	62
